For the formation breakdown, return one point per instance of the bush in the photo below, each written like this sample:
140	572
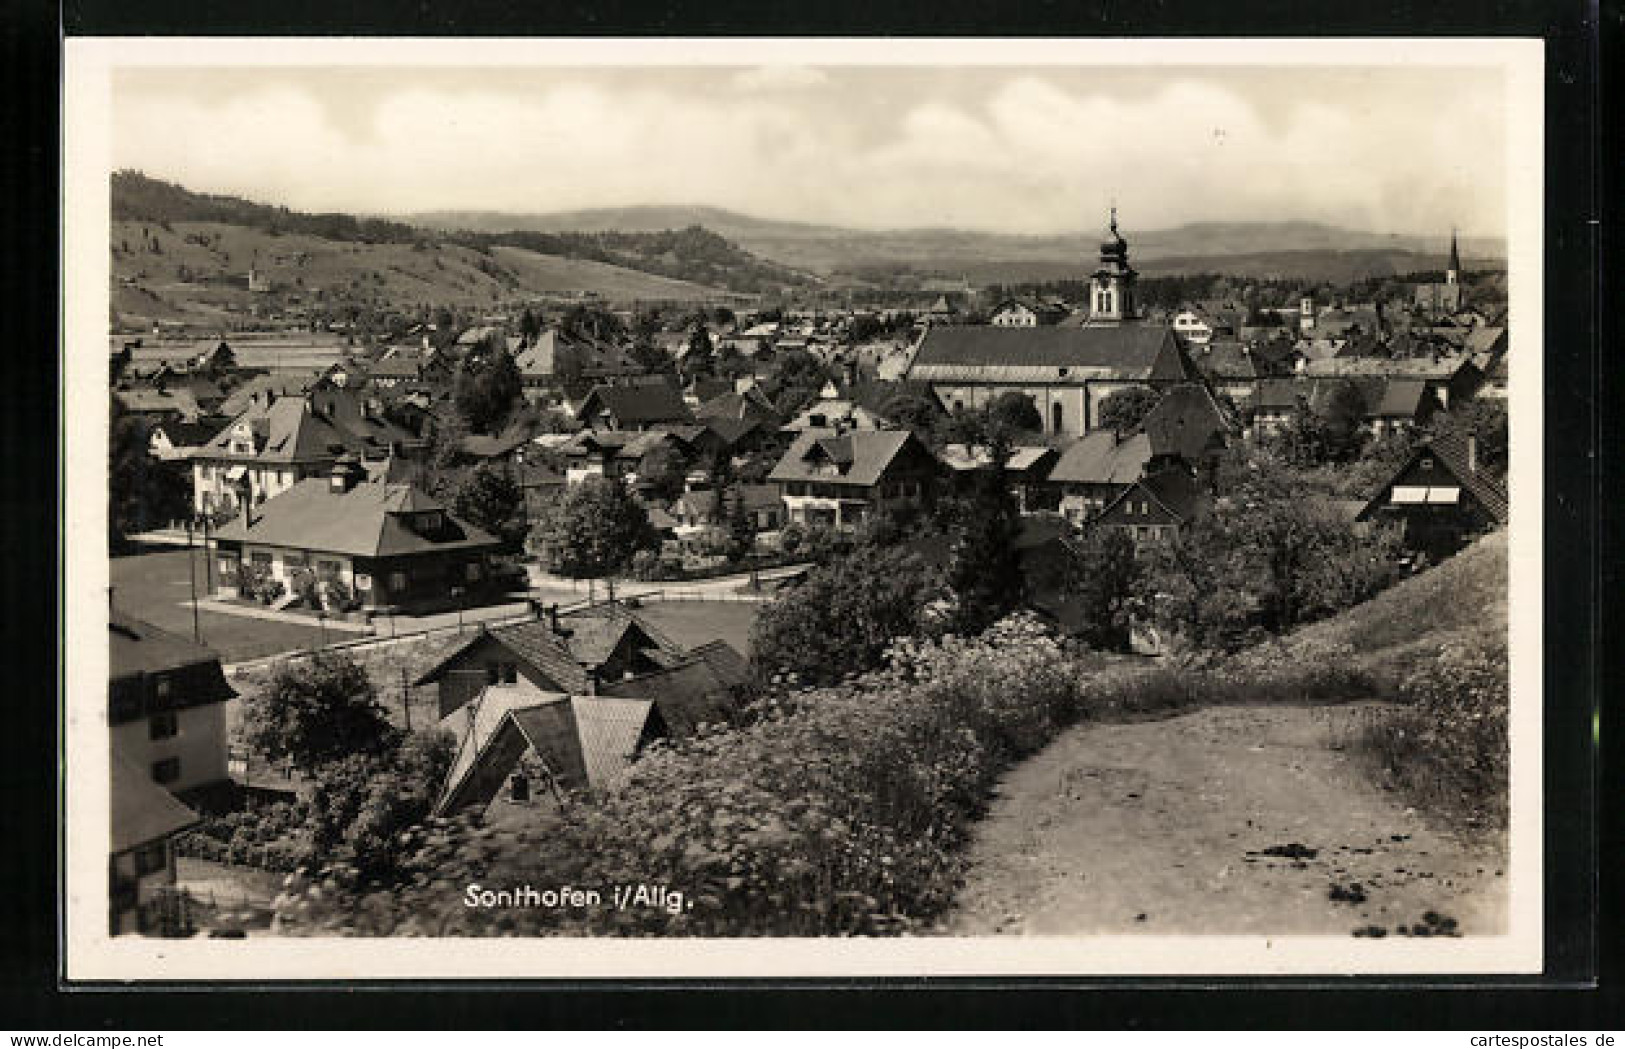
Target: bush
836	811
1447	747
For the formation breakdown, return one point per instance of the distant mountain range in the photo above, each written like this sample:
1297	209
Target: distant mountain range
1243	248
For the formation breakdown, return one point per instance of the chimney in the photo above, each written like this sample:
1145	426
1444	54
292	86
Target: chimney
346	473
1472	453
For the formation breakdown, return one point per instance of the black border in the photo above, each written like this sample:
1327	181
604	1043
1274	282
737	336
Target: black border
30	997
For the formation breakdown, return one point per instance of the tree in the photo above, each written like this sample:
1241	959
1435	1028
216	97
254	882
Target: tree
487	390
915	409
652	358
591	530
1127	408
530	325
361	804
1102	582
664	469
489	498
142	492
1015	412
984	568
1486	420
317	710
843	616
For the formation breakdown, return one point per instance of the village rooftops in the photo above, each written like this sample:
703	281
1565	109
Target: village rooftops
1437	367
1050	354
369	520
1185	423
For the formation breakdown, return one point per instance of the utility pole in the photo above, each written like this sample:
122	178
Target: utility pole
191	571
406	700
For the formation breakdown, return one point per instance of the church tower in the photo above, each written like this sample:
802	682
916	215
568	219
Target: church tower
1452	273
1111	288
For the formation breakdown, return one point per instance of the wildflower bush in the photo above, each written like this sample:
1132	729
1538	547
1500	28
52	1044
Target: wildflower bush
271	837
1447	745
834	811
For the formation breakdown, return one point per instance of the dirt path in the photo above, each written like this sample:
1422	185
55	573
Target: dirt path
1178	827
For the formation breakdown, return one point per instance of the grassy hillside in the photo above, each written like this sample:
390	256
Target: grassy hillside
1464	597
179	254
198	271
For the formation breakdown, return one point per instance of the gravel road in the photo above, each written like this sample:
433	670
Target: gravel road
1227	820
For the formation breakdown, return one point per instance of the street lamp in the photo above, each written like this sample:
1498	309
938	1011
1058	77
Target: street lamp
321	617
457	595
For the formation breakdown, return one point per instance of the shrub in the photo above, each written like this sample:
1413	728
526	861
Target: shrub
1447	747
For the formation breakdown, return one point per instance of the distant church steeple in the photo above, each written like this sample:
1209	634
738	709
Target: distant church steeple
1453	273
1111	289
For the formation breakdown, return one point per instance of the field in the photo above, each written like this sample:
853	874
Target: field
156	587
199	270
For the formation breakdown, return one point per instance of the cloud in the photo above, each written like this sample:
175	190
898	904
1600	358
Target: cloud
779	78
1026	155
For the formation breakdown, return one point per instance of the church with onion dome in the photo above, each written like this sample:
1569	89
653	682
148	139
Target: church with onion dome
1068	369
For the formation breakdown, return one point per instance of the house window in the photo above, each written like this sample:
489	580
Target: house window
397	581
150	859
161	687
327	569
1427	462
818	420
510	673
167	770
1057	417
163	726
493	673
260	559
294	559
473	571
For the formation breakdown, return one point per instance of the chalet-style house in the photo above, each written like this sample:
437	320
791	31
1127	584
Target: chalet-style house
369	545
582	652
1027	470
697	512
613	454
547	745
1154	508
1095	470
1232	368
641	406
144	818
166	705
831	411
278	442
838	479
555	359
1067	371
1440	497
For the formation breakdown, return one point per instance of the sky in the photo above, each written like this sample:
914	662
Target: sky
1039	149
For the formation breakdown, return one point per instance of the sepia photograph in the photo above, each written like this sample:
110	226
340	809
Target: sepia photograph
802	508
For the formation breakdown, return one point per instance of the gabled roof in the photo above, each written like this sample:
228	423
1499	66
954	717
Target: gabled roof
1451	451
1174	490
1440	367
1100	458
641	403
734	406
687	695
1053	353
1184	422
1223	359
172	400
1401	398
142	811
363	522
137	647
586	742
862	456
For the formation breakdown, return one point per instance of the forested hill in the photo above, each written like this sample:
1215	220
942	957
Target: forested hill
694	254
